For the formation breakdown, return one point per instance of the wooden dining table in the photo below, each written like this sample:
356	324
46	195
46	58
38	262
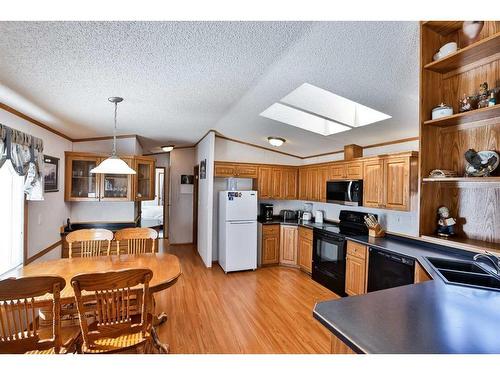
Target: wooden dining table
166	271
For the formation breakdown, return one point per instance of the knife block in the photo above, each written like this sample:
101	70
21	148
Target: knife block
376	231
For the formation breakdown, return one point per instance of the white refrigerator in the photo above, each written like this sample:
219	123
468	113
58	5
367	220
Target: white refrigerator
238	230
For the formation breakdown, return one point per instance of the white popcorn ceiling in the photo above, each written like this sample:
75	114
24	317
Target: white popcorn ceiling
180	79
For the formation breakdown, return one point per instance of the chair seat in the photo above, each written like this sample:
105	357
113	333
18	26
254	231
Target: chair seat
118	344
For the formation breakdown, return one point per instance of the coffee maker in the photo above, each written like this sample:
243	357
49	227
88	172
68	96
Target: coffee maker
266	211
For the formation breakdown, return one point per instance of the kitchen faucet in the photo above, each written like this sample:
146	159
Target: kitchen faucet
492	258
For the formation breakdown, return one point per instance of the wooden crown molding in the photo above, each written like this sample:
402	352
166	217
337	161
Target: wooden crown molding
104	138
24	116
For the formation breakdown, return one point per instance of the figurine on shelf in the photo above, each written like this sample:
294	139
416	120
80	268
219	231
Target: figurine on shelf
467	103
471	30
483	95
446	224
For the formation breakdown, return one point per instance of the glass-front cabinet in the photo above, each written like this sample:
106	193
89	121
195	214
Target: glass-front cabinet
145	179
116	187
81	185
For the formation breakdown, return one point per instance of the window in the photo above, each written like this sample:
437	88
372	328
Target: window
11	218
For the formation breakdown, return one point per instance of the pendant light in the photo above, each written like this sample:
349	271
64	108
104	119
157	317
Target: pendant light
113	164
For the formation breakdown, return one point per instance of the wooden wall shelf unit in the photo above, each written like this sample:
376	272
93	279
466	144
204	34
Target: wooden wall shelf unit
466	117
482	49
474	201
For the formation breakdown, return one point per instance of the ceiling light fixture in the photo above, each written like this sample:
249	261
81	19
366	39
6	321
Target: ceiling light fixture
113	164
167	148
276	141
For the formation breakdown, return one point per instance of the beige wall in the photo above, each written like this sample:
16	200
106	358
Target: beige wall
182	161
44	217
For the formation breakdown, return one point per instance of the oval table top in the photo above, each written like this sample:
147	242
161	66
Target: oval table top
166	269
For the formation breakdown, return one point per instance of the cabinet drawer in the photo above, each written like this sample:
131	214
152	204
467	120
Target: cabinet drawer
356	250
271	229
224	170
306	233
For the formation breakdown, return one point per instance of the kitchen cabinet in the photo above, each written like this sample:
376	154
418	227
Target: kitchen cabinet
288	245
305	249
289	185
421	274
144	181
239	170
356	268
270	244
390	182
116	187
324	175
277	182
80	185
347	171
338	171
309	184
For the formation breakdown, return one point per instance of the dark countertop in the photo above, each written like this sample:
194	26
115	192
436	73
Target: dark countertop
143	223
429	317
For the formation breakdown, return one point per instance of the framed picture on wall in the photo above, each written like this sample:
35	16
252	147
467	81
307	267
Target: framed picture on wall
187	179
50	174
203	169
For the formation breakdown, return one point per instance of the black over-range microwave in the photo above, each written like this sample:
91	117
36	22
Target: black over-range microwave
348	192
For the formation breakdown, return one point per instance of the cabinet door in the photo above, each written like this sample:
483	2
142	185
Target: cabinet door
276	177
323	177
355	278
224	170
270	244
246	171
373	183
303	173
338	171
116	187
288	245
397	183
305	249
312	185
289	183
80	184
144	179
354	171
265	183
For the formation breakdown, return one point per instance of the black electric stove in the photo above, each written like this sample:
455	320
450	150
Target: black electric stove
329	249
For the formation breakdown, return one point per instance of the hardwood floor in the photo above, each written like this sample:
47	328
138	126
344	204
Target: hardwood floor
264	311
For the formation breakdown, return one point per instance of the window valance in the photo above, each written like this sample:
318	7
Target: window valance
25	153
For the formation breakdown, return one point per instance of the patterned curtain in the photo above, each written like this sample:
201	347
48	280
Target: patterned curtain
26	155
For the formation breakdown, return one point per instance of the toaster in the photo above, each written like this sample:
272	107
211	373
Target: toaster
306	216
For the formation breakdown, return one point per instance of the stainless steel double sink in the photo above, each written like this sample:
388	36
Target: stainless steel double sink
466	273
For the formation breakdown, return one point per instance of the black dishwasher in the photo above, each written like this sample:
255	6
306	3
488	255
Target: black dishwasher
387	270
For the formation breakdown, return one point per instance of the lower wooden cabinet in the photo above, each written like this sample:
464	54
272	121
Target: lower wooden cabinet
270	244
305	249
288	245
356	268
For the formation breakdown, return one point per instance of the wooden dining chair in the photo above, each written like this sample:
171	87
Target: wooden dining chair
19	328
91	242
136	240
115	329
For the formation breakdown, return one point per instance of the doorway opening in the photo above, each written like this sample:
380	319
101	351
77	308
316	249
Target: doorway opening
195	205
156	210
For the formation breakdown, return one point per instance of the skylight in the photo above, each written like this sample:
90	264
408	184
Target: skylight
304	120
321	111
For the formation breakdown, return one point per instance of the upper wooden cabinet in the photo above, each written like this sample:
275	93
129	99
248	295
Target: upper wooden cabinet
309	183
347	171
81	185
144	182
390	182
241	170
276	182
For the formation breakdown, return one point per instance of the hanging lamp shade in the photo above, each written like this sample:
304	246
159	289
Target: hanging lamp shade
113	164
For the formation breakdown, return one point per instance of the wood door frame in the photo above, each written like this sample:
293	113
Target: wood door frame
165	198
196	175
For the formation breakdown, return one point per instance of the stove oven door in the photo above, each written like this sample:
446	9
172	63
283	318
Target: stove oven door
329	258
